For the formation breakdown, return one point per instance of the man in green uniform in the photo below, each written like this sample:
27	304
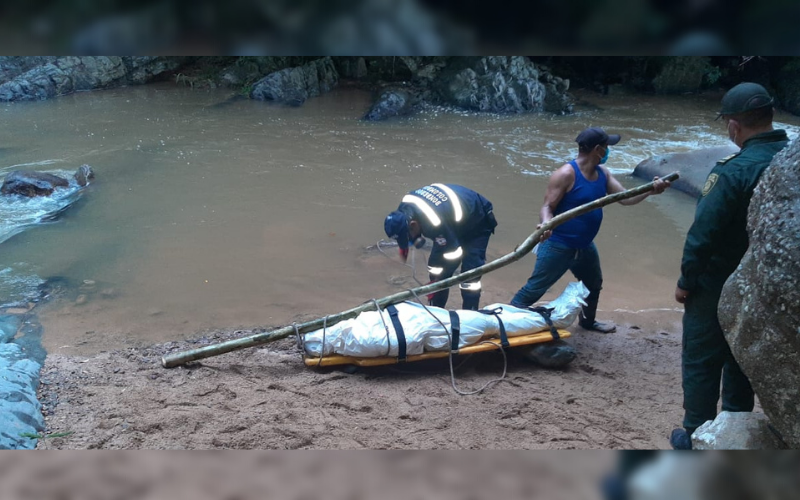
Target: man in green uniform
715	244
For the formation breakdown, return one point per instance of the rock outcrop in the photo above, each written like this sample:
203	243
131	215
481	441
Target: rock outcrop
693	166
32	184
497	84
36	78
294	85
760	305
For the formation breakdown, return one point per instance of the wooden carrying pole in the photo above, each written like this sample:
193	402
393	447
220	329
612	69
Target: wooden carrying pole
179	358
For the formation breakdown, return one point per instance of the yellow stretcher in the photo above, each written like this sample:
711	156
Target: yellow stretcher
490	344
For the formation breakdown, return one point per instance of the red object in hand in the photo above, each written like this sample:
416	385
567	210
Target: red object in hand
403	253
430	295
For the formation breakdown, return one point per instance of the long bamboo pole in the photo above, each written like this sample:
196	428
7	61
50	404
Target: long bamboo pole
179	358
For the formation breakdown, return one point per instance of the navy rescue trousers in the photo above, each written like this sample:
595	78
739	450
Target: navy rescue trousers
474	256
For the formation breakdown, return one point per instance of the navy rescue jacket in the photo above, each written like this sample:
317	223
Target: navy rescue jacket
448	214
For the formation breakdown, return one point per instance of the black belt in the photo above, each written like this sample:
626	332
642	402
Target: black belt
496	313
455	330
545	312
398	329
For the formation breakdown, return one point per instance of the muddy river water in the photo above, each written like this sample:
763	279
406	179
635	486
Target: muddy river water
213	213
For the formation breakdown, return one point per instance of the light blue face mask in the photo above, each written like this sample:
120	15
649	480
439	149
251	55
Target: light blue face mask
605	156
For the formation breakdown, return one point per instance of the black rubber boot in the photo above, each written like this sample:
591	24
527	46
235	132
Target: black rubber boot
588	322
680	439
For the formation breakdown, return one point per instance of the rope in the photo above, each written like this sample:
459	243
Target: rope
301	343
385	327
450	356
449	337
322	349
413	264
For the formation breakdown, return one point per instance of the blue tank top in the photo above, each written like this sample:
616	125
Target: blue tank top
580	231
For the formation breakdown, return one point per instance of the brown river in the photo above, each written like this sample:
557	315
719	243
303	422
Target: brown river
208	213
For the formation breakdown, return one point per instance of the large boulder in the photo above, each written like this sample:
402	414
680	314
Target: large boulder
556	98
760	305
32	184
26	79
294	85
498	84
693	166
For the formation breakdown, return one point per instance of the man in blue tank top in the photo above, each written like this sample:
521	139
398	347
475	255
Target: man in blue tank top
570	246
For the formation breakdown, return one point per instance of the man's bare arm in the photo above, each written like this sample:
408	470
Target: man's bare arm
613	186
561	181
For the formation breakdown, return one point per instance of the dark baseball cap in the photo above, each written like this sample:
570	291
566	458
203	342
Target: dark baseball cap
593	136
745	97
396	226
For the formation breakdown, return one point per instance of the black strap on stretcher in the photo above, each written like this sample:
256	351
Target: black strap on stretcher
496	313
545	312
455	330
398	329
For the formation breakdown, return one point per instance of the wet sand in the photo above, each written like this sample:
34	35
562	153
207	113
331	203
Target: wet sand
622	392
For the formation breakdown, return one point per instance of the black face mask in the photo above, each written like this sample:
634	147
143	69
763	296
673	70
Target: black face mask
419	242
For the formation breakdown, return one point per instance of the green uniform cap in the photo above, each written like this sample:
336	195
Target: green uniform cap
744	97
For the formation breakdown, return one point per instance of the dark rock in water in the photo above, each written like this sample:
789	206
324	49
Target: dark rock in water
760	303
694	167
294	85
392	102
84	175
497	84
32	184
553	354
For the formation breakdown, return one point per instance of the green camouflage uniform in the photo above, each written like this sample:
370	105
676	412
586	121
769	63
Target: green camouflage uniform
715	244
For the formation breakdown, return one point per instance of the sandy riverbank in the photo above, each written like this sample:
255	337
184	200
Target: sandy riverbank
622	392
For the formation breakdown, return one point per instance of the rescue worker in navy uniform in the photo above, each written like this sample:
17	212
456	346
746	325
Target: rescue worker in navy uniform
715	243
459	221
